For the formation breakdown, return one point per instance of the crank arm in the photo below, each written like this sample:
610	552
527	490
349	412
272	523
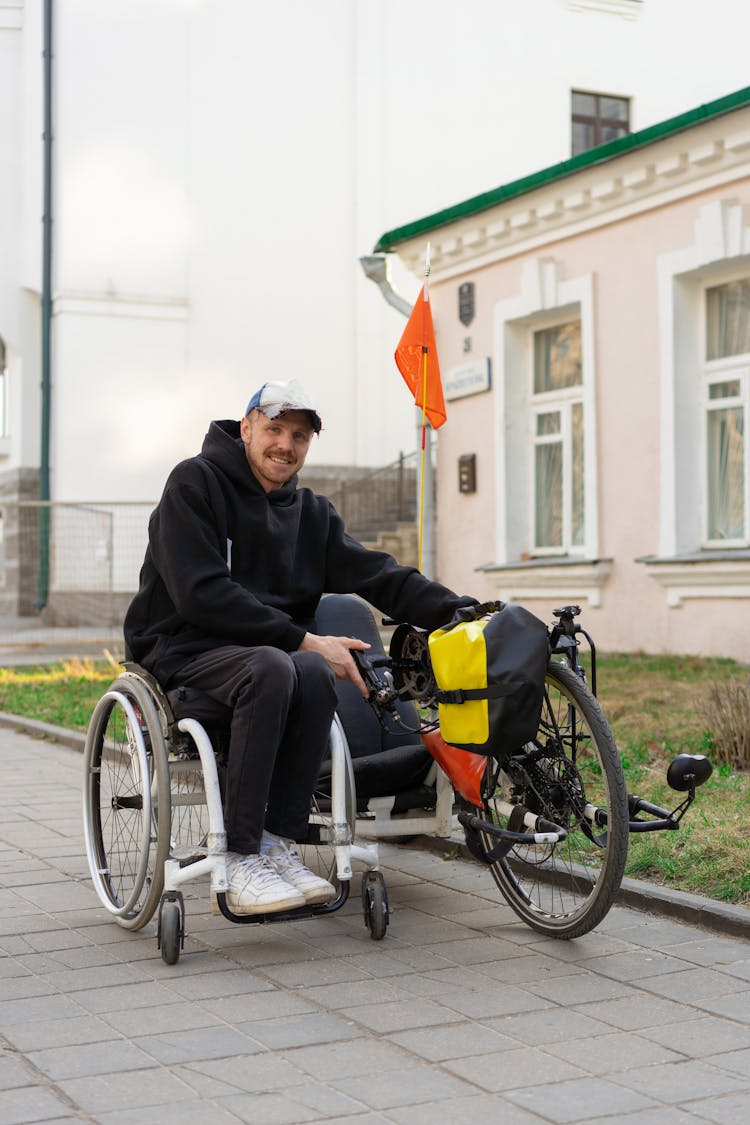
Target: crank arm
544	831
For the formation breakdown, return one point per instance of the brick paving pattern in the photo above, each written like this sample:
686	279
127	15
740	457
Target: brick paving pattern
461	1015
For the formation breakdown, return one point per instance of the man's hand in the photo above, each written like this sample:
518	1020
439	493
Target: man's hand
336	651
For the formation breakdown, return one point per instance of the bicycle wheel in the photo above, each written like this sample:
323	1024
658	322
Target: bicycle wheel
126	806
570	774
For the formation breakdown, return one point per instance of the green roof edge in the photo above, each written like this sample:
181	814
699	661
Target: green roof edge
598	155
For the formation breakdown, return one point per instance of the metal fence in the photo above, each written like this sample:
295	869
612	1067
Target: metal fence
381	500
79	562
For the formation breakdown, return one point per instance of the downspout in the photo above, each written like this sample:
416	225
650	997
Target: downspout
46	385
376	268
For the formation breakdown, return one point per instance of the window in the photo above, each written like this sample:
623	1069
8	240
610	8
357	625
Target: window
726	402
557	410
547	546
597	119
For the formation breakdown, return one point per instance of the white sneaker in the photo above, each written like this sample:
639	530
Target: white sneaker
255	887
291	869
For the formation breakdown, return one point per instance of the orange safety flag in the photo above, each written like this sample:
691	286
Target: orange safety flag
417	360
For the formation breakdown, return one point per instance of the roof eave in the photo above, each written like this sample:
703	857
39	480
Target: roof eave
599	155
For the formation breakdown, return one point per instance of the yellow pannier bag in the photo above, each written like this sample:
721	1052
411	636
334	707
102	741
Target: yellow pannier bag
459	660
490	664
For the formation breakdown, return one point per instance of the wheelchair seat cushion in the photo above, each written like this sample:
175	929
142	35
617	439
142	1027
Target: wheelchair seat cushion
380	775
385	762
347	615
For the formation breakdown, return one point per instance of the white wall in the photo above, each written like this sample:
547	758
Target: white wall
221	164
479	95
11	43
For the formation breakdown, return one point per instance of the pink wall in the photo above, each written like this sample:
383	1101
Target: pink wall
622	257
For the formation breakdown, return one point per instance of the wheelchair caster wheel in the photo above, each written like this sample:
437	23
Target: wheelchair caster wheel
171	932
375	904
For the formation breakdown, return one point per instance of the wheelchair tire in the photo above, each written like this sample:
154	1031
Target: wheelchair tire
126	801
375	904
563	889
171	930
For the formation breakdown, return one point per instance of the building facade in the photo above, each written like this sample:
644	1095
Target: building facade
593	323
216	170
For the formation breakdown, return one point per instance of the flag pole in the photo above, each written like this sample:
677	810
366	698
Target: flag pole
423	443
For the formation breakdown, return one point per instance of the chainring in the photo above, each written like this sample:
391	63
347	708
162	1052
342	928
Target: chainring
413	677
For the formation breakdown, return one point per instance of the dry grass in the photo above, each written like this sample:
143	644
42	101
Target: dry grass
726	713
658	707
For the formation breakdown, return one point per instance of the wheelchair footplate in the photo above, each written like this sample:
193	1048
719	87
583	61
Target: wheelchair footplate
311	911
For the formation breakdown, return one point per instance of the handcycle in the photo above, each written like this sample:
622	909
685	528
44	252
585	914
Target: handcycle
551	821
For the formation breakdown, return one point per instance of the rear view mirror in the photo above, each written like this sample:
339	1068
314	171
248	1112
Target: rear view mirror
688	771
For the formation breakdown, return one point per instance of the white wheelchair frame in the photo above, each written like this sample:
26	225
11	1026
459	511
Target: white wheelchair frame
140	760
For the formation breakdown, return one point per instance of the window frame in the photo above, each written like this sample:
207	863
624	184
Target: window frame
598	120
561	401
718	253
729	368
543	298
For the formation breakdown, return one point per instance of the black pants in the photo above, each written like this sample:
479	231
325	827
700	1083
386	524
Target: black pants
283	706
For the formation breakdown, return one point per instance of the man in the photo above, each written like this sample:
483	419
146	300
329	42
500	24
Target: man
237	561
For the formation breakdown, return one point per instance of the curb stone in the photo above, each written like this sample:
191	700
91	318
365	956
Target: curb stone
75	740
720	917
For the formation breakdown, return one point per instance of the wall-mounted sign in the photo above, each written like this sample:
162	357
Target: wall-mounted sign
467	379
466	303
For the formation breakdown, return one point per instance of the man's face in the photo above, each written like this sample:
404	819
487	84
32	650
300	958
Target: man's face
276	447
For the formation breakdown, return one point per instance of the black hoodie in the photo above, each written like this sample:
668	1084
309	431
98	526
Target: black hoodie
228	563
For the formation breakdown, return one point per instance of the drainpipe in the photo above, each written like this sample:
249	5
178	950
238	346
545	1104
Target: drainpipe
377	268
44	457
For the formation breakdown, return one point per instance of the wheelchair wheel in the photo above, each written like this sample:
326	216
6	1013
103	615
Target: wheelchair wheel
189	819
126	803
375	904
318	852
171	935
572	775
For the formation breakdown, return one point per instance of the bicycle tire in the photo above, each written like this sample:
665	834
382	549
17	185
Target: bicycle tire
571	768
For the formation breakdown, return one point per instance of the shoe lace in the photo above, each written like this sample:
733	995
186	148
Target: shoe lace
287	857
257	869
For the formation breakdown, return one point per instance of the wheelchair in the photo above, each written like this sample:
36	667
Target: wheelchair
154	769
551	821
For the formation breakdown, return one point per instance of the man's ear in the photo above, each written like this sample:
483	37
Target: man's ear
245	428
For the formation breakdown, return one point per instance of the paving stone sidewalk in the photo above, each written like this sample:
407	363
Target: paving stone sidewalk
461	1015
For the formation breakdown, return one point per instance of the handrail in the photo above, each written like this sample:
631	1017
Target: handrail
381	499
